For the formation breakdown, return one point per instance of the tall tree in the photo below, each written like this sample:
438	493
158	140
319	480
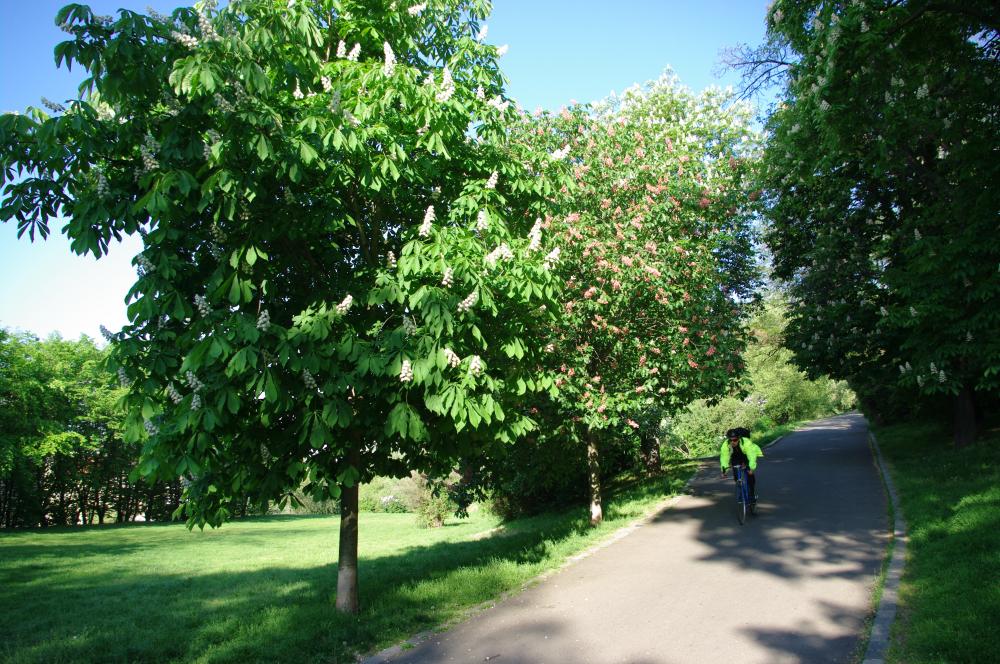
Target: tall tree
659	265
879	180
337	277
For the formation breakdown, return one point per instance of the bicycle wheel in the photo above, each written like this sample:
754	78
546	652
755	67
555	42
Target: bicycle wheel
741	502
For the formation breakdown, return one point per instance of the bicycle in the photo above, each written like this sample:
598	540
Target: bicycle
744	501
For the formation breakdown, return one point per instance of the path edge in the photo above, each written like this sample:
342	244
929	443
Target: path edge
888	606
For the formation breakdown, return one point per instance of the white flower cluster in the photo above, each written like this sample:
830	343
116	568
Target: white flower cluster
224	105
482	221
923	91
308	379
406	372
483	31
551	258
326	83
335	101
447	87
106	333
425	228
409	326
469	301
208	32
196	402
264	321
217	233
193	382
297	93
185	39
453	359
491	183
561	153
390	258
883	311
345	304
416	9
174	395
355	53
52	106
480	93
390	60
968	337
204	308
150	428
502	51
476	365
148	150
144	265
448	278
824	105
211	138
157	16
913	312
498	103
123	378
102	185
535	235
502	252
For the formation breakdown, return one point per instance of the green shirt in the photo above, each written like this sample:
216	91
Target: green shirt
750	448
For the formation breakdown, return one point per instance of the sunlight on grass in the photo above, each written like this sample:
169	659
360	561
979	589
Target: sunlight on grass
951	501
263	590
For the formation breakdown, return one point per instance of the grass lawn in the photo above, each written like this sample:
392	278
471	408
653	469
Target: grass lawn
950	596
262	590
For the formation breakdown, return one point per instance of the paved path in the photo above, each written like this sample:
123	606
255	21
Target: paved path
692	585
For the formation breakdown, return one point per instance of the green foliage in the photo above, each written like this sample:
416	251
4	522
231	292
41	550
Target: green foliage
879	219
259	589
951	501
62	457
316	283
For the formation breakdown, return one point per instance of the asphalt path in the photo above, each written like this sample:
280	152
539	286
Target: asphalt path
692	585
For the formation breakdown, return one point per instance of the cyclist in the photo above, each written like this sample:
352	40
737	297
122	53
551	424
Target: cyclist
739	449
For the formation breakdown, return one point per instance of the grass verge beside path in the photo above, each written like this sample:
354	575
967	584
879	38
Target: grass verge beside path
949	593
262	590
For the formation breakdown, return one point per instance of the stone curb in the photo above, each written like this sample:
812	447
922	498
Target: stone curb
385	656
885	614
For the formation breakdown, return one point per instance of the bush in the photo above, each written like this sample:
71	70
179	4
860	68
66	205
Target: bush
699	429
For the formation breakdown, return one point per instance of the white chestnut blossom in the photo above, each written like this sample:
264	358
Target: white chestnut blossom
409	326
390	60
491	183
341	49
535	235
174	395
185	40
416	9
483	31
355	53
476	365
502	51
425	228
52	106
193	382
502	252
453	359
390	259
264	321
106	333
308	380
482	221
208	32
148	151
560	154
144	266
196	402
551	258
345	304
468	302
102	185
123	378
150	428
224	105
204	308
448	278
447	87
406	372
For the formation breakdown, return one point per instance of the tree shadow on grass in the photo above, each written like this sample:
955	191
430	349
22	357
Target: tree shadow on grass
53	608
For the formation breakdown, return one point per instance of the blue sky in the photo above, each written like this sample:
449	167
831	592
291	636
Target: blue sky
560	50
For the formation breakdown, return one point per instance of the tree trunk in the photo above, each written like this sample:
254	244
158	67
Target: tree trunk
594	472
347	561
965	417
651	455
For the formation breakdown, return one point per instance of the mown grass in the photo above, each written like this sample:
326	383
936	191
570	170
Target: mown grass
949	594
263	590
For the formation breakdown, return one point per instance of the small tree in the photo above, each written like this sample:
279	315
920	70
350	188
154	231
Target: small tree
337	278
